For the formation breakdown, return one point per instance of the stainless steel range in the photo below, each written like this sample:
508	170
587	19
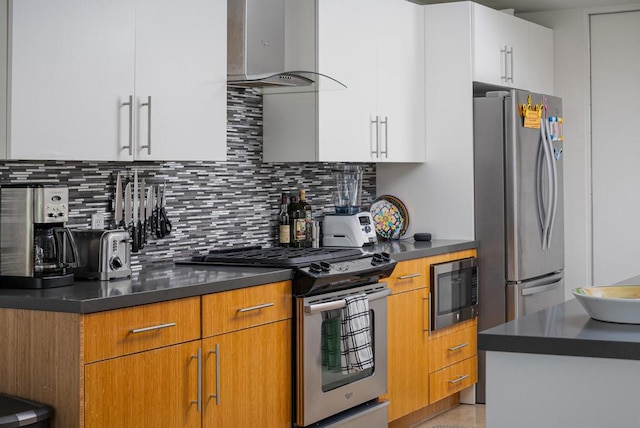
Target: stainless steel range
334	289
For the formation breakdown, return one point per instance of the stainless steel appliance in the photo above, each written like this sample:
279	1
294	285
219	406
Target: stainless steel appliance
349	226
325	395
103	254
36	250
348	230
519	217
454	292
256	45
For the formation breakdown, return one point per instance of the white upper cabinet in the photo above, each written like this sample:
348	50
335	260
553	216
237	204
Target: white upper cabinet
376	49
509	51
117	80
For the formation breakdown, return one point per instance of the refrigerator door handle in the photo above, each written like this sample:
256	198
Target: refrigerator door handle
537	285
541	288
539	195
549	162
555	183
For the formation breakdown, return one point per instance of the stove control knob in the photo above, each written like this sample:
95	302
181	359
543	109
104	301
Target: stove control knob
386	257
315	268
326	267
376	259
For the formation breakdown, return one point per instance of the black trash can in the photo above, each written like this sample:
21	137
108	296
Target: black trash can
17	412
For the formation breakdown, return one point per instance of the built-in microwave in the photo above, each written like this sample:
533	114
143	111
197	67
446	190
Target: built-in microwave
454	292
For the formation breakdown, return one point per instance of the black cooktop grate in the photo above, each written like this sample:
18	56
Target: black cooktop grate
277	256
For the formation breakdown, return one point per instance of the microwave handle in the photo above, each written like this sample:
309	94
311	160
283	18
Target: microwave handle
341	303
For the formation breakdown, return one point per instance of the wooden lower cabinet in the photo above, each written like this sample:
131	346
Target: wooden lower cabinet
255	377
453	379
157	388
408	354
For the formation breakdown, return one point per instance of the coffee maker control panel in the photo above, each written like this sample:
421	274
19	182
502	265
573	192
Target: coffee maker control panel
51	205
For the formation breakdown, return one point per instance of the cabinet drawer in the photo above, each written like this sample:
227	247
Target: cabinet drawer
452	348
452	379
245	307
126	331
408	275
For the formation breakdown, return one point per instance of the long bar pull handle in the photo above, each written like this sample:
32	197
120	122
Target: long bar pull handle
510	53
152	328
148	105
385	122
460	346
503	64
199	399
130	104
341	303
411	275
217	394
458	379
427	312
256	308
375	150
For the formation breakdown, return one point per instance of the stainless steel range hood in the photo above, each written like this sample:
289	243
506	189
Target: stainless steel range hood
256	31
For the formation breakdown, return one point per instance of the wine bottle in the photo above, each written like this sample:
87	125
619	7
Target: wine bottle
296	216
308	219
284	223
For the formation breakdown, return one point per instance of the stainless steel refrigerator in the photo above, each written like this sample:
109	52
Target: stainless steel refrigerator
518	207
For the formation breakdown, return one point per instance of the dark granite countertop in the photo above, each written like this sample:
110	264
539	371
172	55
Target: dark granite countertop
565	329
170	282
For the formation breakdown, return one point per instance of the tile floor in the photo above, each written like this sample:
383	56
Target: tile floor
462	416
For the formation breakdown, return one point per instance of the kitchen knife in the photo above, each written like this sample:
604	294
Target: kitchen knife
127	205
147	212
141	218
117	215
165	224
136	212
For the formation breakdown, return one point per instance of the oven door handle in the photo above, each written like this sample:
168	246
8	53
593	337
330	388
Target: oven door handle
341	303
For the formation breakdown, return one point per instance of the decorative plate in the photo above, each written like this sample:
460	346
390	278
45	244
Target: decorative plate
390	217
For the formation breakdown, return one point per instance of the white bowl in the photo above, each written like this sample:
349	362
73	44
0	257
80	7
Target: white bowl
615	303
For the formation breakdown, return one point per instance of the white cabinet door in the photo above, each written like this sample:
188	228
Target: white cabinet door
71	71
540	71
347	51
181	64
501	47
401	80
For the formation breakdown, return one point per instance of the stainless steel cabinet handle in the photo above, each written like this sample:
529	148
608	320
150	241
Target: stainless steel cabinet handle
385	122
256	308
375	150
425	323
411	275
152	328
503	64
458	379
510	53
199	358
217	394
460	346
148	105
130	104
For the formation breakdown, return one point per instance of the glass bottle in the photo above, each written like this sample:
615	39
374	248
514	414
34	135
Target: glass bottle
284	223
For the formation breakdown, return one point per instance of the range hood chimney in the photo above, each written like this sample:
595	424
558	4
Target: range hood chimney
256	48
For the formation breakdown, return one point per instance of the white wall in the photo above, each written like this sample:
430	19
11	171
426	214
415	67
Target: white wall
571	63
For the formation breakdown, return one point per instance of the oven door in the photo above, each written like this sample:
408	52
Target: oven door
454	292
322	388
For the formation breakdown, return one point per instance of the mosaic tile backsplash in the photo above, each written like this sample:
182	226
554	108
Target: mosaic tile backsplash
210	204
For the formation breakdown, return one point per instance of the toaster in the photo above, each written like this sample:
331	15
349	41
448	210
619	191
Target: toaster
102	254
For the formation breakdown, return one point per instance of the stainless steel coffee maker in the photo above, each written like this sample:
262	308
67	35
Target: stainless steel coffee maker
36	249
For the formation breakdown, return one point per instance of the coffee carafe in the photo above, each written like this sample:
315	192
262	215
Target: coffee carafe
36	249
